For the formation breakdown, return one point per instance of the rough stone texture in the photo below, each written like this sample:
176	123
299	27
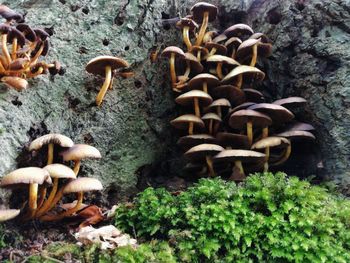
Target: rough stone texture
311	59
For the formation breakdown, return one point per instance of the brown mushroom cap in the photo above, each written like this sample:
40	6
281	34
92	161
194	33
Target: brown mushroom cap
197	81
233	42
253	95
291	102
27	31
300	126
263	37
194	63
97	66
41	34
188	98
239	119
297	135
222	59
243	106
265	46
183	121
220	38
245	156
80	151
17	83
57	170
9	14
54	138
232	93
211	116
19	64
83	184
200	8
204	52
15	33
184	22
8	214
272	141
195	139
245	49
28	175
252	73
236	141
220	49
220	103
199	152
238	30
173	50
277	113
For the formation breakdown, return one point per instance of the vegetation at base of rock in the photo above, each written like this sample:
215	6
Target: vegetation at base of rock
269	218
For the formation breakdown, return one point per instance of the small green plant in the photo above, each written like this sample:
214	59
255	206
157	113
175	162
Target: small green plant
269	218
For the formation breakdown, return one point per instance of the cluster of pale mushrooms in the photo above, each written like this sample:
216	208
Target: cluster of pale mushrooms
21	49
58	178
228	124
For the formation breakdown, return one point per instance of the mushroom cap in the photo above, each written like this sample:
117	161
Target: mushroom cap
183	121
194	63
200	49
41	34
233	94
220	49
19	64
54	138
199	152
187	22
197	81
46	47
243	106
263	37
80	151
220	103
5	28
97	66
173	50
238	30
245	49
16	34
300	126
27	31
9	14
239	119
277	113
251	72
83	184
272	141
17	83
208	36
8	214
297	135
57	170
233	42
200	8
188	98
211	116
222	59
245	156
253	95
28	175
236	141
220	38
291	102
195	139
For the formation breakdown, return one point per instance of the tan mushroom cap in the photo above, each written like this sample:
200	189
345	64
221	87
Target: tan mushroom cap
200	8
263	37
223	103
97	66
245	156
300	126
243	106
233	42
222	59
220	38
239	119
197	81
238	30
253	95
251	72
183	121
187	22
245	49
54	138
83	184
188	98
291	102
297	135
211	116
277	113
81	151
208	36
195	139
194	63
233	94
201	49
272	141
220	49
8	214
201	151
236	141
173	50
28	175
17	83
265	46
57	170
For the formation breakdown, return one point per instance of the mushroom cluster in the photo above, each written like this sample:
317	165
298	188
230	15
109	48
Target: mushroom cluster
229	127
60	179
22	47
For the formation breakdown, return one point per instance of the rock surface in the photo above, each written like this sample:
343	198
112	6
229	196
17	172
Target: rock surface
311	59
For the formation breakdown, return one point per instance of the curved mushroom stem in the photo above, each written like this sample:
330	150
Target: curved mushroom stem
37	73
76	168
239	81
190	128
250	132
196	107
285	156
199	55
240	176
14	49
111	84
219	70
104	88
46	206
50	153
202	29
267	156
212	52
210	128
33	196
186	37
42	194
265	132
5	50
38	54
218	111
209	161
188	69
57	198
172	70
254	55
66	213
205	87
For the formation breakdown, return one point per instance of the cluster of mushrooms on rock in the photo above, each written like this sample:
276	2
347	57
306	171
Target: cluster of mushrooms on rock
228	127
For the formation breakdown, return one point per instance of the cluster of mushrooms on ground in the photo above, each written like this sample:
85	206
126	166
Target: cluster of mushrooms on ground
228	127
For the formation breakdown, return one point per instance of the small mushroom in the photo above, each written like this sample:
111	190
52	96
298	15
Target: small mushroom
200	52
251	73
233	94
232	44
215	48
4	30
10	15
239	30
172	52
219	105
8	214
232	140
291	103
27	31
189	141
187	25
195	97
17	83
209	36
188	122
203	81
247	48
253	95
212	122
300	126
192	64
220	38
220	61
17	39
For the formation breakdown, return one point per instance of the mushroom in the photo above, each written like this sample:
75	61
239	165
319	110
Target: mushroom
291	103
232	141
56	171
41	49
249	118
252	73
200	52
103	66
220	38
4	30
188	122
300	126
204	152
219	105
248	46
212	122
17	83
215	48
195	97
172	52
10	15
78	186
238	157
205	12
50	140
17	39
189	141
209	36
220	60
187	25
253	95
233	94
239	30
31	176
203	81
8	214
192	64
272	142
27	31
232	44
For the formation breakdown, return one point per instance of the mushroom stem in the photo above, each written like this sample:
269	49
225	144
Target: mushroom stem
2	69
210	127
111	84
190	128
42	194
57	198
186	37
239	165
14	48
233	54
199	54
254	55
37	55
46	206
205	87
5	51
238	174
267	156
202	29
212	52
285	156
33	196
50	153
219	70
218	111
209	161
172	70
104	88
37	73
265	132
188	69
77	167
196	107
239	81
250	132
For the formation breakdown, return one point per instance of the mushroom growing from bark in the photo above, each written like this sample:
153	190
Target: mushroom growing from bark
104	66
189	141
221	61
232	44
172	53
236	75
233	94
197	98
204	82
192	65
239	30
187	25
219	106
212	122
188	122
